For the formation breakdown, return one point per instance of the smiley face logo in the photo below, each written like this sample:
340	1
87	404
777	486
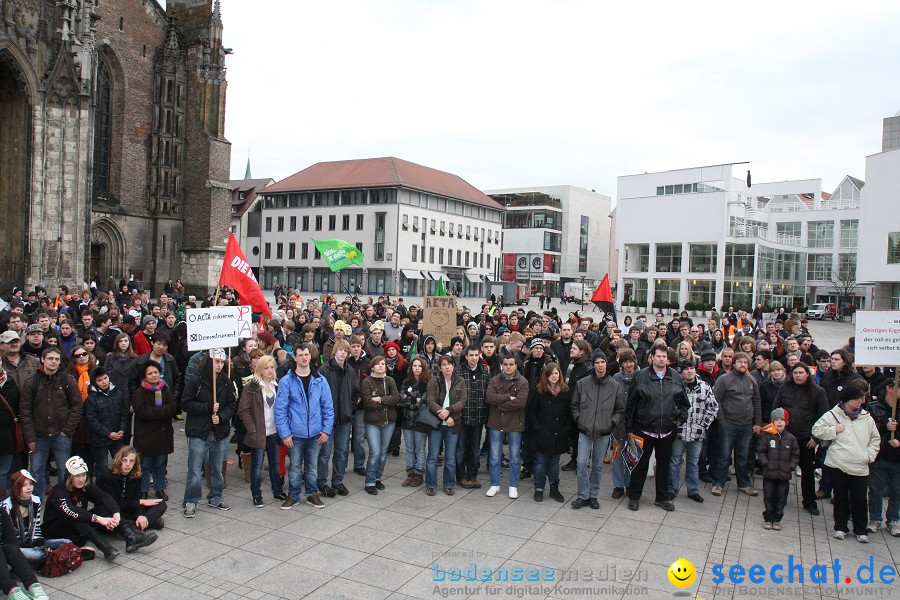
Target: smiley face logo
682	573
440	317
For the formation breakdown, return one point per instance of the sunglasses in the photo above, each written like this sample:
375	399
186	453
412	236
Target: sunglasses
80	354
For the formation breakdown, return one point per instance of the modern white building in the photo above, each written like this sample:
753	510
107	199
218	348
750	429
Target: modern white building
553	235
879	222
710	235
413	224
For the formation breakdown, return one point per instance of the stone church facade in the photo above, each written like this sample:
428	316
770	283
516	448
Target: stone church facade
113	156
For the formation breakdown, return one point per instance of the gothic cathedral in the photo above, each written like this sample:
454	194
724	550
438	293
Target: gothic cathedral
113	157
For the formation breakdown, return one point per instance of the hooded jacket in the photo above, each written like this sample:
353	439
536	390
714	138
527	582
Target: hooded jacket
106	412
344	389
853	449
804	405
598	405
779	455
297	414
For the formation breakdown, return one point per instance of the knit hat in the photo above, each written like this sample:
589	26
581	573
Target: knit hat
454	340
377	326
707	355
779	413
343	327
598	355
686	363
537	342
850	392
393	345
471	325
146	320
128	320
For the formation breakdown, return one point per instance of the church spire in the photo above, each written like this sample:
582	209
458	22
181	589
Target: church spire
247	172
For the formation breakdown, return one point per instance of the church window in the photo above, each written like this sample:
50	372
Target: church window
102	130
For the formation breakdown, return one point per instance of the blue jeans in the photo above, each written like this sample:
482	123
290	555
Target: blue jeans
691	450
515	457
339	442
621	476
881	472
415	449
36	556
256	460
733	438
153	466
545	465
304	458
61	447
590	450
442	434
379	438
102	454
359	439
200	450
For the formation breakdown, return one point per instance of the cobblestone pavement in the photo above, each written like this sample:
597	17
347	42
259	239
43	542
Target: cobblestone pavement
403	544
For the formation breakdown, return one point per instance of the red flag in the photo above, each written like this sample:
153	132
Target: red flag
237	274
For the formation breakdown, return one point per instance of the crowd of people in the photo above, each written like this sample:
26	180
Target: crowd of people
92	383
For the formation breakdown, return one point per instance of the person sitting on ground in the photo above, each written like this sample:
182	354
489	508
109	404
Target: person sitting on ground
24	510
14	566
122	481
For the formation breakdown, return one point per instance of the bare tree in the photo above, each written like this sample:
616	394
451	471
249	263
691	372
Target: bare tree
843	281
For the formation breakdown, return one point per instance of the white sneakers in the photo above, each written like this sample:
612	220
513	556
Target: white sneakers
839	535
513	492
492	491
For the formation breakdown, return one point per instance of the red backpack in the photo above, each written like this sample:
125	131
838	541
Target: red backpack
62	561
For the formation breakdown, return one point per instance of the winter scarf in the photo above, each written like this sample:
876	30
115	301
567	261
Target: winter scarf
853	415
156	389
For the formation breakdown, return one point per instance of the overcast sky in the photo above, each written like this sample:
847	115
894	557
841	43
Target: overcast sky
529	92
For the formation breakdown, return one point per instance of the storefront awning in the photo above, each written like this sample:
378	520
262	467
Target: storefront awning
437	275
473	278
412	274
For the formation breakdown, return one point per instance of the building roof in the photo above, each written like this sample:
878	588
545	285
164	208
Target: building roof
382	172
250	188
859	183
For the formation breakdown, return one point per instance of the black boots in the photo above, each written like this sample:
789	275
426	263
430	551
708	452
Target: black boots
554	493
135	538
109	553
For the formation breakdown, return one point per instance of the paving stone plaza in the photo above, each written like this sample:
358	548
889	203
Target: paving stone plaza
403	544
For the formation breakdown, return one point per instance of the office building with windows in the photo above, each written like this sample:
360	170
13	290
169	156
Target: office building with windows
553	235
879	222
413	224
705	235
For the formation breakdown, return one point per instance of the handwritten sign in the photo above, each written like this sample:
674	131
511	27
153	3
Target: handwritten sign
440	318
212	327
245	322
877	338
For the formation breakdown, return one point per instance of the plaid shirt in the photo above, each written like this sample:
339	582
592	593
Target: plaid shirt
475	411
704	407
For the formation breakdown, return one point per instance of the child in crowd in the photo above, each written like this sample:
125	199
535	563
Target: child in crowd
779	454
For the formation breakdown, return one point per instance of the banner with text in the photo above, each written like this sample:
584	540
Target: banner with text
440	318
877	338
212	327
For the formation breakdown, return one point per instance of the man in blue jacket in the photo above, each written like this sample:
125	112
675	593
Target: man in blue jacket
304	417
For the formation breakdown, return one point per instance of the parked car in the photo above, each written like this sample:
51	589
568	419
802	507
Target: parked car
822	311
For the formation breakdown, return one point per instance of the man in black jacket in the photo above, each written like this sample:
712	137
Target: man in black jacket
345	395
657	406
207	428
885	471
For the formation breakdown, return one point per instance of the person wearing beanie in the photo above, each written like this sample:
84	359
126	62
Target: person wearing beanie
598	407
142	344
106	412
854	445
778	451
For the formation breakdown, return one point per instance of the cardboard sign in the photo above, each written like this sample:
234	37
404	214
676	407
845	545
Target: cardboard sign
877	338
212	327
440	318
245	322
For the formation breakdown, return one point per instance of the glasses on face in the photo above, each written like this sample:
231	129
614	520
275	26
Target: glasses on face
80	354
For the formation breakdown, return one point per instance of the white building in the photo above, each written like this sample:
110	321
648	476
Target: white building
703	235
553	235
879	222
413	224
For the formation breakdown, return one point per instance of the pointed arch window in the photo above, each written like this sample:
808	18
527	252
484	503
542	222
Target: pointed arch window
102	130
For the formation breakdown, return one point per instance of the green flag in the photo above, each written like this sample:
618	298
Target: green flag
339	254
439	288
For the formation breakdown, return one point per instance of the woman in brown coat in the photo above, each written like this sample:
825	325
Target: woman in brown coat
446	399
379	398
256	410
154	408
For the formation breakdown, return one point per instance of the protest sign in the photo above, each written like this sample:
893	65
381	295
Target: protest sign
245	322
212	327
877	338
440	318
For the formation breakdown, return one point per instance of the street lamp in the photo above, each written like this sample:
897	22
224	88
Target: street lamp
582	292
